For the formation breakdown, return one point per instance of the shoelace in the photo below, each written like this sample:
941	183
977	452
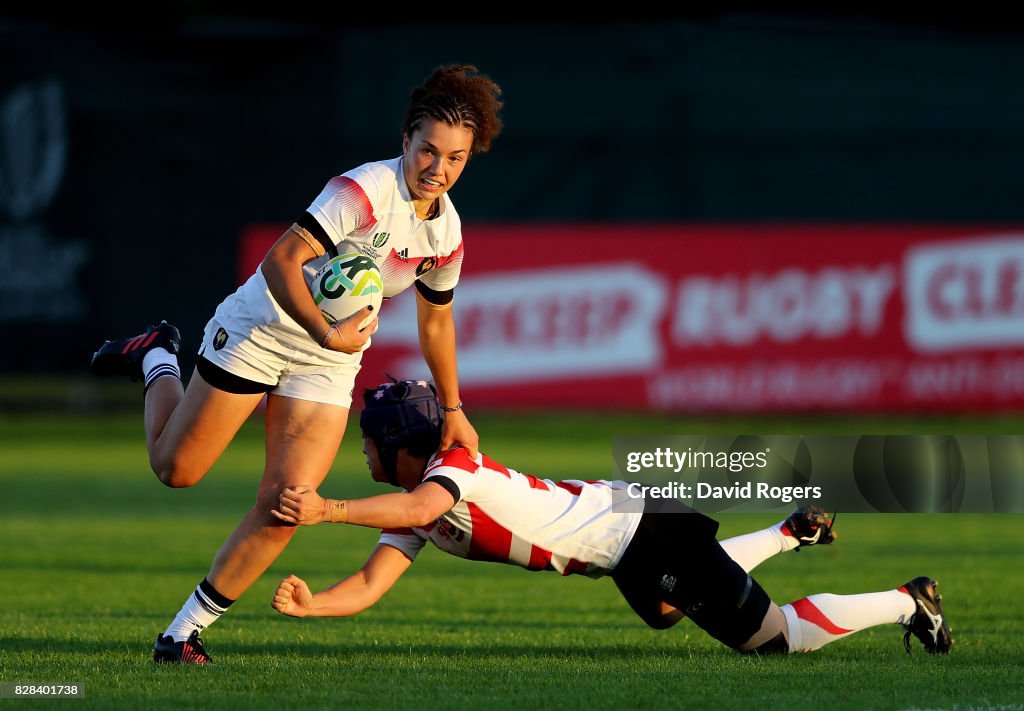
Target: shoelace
906	638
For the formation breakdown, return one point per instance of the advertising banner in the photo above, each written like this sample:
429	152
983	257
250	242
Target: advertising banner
726	318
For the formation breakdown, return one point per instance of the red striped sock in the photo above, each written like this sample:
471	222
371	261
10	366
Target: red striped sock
823	618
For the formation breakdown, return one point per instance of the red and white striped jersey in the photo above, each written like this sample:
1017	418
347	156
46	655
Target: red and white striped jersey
504	516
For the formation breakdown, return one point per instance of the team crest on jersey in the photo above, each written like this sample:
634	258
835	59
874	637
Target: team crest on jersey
425	266
380	238
220	339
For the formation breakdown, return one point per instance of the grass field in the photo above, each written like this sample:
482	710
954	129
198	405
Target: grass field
97	556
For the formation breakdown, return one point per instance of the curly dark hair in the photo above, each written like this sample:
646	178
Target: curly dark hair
459	95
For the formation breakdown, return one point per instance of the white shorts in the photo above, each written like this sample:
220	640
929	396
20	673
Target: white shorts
261	352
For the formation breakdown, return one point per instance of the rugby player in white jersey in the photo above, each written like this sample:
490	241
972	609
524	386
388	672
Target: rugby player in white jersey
269	340
663	556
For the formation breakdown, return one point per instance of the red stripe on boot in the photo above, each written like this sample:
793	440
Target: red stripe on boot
130	345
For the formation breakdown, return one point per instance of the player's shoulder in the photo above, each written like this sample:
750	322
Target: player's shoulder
382	170
456	458
376	178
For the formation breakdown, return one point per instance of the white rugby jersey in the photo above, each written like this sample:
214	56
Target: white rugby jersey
504	516
369	210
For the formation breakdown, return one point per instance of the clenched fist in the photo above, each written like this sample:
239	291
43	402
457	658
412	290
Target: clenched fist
293	597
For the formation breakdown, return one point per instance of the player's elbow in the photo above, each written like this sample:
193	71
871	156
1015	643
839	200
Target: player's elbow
371	597
419	515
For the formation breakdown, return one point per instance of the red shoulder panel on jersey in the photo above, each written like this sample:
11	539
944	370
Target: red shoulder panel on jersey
350	194
491	464
458	458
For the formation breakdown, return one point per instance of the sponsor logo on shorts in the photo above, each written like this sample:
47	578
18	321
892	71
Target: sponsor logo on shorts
220	339
425	266
668	582
380	238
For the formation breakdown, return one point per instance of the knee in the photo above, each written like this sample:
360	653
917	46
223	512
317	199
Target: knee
268	499
660	617
175	474
776	645
660	623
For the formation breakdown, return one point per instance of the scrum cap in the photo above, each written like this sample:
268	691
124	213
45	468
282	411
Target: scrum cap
401	414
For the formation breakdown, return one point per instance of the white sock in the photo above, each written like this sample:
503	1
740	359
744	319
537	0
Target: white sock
157	363
752	549
202	609
820	619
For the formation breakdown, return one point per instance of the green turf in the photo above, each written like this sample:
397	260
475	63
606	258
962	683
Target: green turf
96	557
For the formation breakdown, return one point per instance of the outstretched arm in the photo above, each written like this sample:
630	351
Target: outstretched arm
347	597
303	505
436	327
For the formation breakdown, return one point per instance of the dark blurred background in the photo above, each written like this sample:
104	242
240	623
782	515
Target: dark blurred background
134	154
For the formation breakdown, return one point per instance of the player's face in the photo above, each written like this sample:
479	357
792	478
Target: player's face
435	156
408	468
373	461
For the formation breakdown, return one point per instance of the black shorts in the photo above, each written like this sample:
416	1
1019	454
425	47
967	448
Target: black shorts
675	558
228	382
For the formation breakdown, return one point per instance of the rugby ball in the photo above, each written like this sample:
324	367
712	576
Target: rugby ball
346	284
